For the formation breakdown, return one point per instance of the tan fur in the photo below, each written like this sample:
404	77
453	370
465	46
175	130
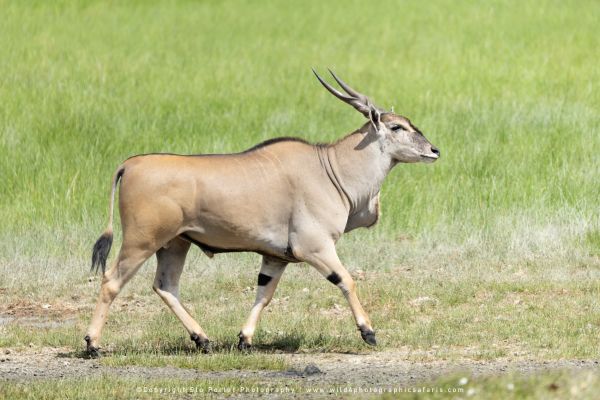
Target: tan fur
289	201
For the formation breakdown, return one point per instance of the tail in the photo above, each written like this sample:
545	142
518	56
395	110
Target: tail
104	243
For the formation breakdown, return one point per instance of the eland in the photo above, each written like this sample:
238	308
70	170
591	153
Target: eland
285	199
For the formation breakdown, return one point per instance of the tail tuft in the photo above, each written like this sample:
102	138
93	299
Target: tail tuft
101	250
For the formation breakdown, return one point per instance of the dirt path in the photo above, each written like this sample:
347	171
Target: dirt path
375	369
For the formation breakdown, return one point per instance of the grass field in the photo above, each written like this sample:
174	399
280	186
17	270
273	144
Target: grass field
492	252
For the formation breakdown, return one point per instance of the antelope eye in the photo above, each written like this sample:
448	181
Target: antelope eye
396	128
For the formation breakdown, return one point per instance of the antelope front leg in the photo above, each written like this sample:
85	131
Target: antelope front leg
268	278
326	261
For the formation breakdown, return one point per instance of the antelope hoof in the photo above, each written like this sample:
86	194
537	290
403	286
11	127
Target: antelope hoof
203	345
368	336
92	351
243	344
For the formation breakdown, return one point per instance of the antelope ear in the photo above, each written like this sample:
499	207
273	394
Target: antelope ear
375	117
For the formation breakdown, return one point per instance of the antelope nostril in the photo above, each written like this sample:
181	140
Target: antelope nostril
435	150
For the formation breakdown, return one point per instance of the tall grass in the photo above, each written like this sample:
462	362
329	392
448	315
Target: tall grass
507	90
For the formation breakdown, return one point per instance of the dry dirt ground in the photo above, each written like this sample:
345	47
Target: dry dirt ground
323	370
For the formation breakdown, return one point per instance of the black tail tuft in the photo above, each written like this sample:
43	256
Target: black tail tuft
101	250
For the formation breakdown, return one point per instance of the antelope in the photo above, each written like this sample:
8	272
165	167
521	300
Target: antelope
285	199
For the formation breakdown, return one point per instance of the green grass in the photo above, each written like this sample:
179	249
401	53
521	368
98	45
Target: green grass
481	310
505	89
501	234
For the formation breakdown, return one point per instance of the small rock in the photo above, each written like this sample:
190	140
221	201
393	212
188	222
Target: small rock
7	351
46	306
305	290
463	381
247	290
30	344
312	369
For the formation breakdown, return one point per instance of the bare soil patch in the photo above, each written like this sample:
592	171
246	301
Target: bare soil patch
36	314
324	370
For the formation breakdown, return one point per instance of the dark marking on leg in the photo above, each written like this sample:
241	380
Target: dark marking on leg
263	279
202	344
160	285
368	335
334	278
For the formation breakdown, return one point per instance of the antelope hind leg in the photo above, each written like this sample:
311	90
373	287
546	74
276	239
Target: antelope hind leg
166	284
127	264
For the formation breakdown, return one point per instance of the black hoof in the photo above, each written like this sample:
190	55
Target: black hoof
202	344
242	344
92	351
368	336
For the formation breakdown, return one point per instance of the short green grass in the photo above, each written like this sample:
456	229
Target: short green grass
447	309
491	252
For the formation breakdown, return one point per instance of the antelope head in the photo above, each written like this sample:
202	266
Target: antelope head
397	136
